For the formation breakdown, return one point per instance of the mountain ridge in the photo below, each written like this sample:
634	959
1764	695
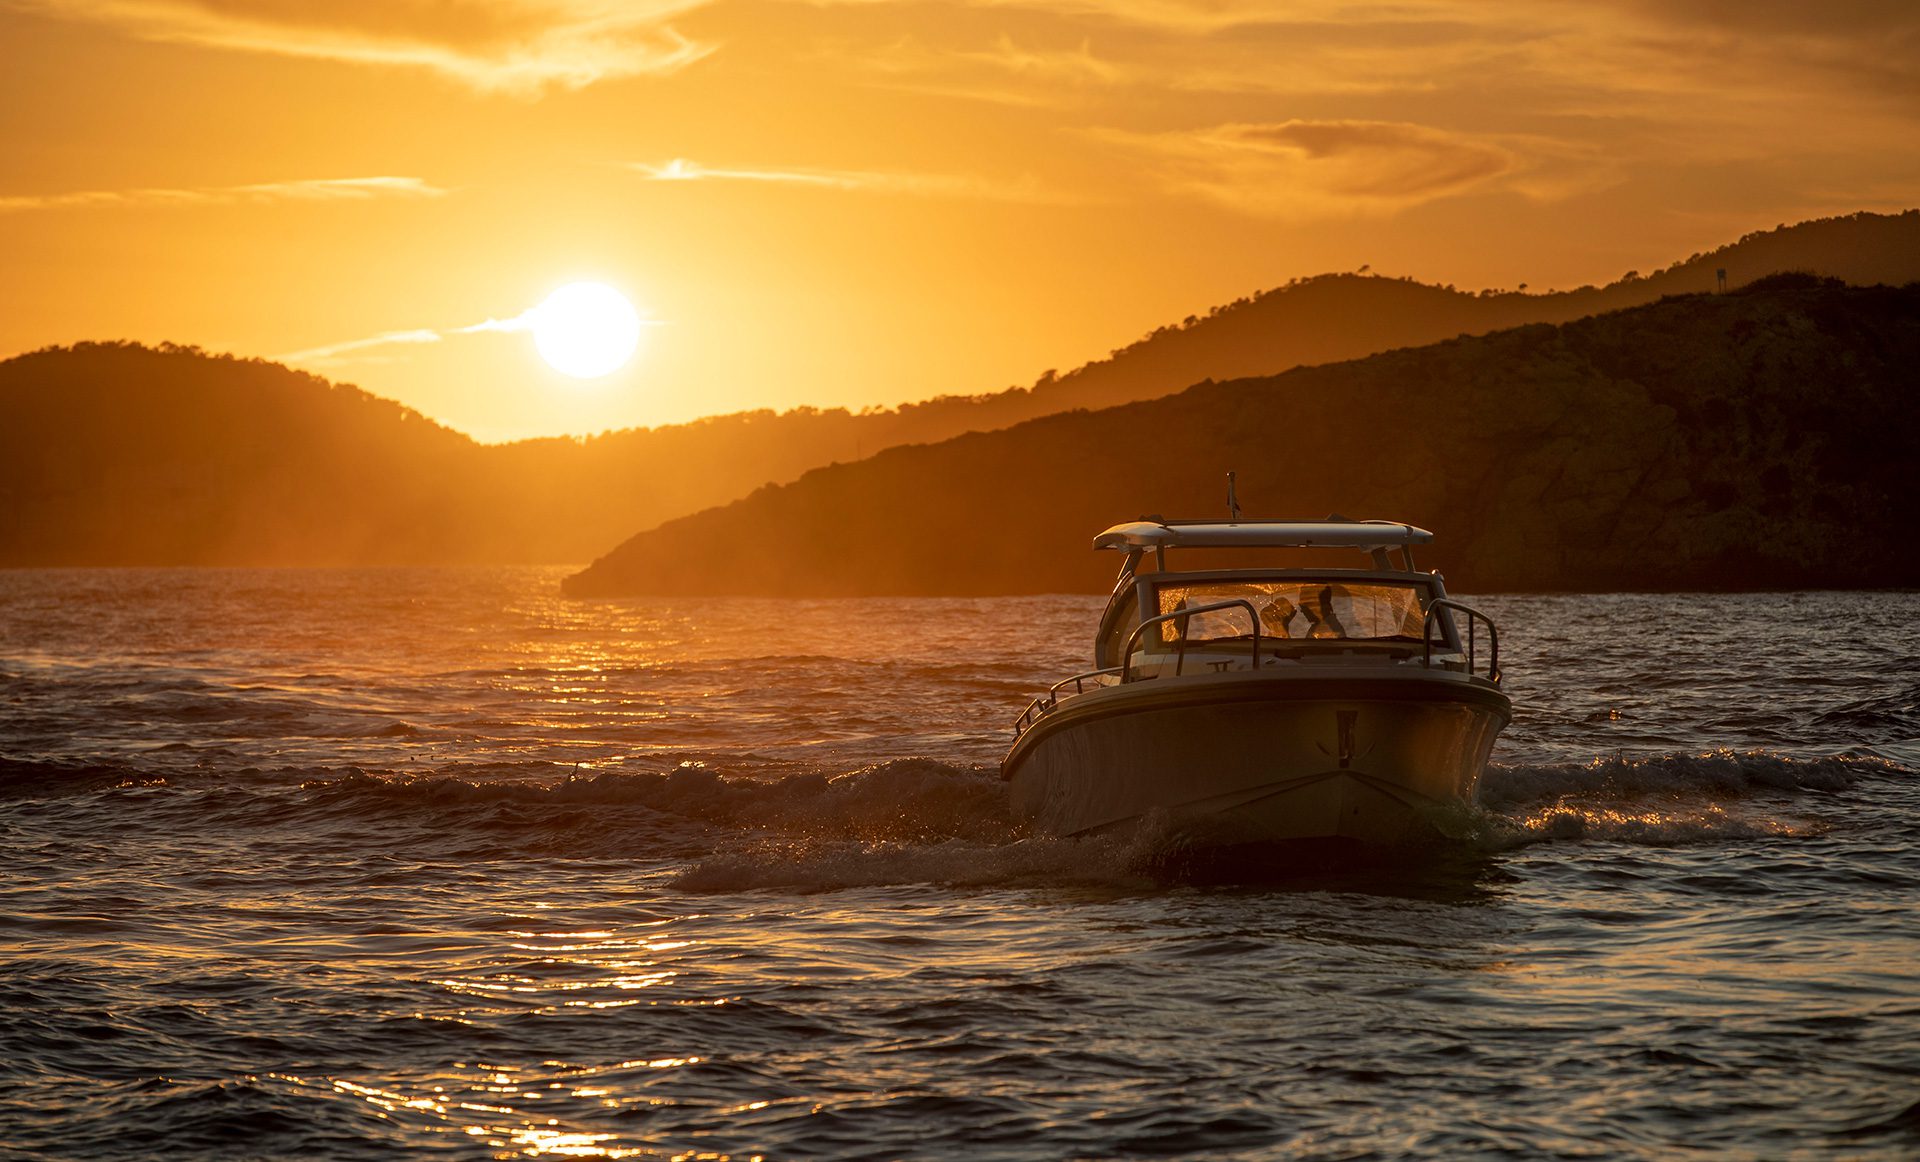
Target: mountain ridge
1749	440
176	473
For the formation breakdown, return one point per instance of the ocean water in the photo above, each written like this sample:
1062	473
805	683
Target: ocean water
384	864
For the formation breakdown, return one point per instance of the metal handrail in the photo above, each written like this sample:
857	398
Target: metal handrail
1042	705
1031	714
1474	616
1079	682
1126	655
1046	702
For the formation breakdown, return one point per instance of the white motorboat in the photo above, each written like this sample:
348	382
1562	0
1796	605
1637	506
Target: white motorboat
1342	706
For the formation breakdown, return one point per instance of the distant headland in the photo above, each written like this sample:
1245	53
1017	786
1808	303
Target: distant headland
120	454
1755	439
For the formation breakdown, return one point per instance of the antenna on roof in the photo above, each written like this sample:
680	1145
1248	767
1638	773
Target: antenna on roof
1233	501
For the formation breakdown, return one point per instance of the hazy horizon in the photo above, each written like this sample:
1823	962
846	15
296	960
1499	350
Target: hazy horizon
866	204
1817	245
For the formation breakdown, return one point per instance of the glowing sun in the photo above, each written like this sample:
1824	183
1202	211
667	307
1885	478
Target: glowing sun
585	329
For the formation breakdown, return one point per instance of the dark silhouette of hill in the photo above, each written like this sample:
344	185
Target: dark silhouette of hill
1333	317
671	471
122	454
115	454
1747	440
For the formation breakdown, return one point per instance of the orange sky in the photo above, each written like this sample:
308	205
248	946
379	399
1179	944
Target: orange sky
877	201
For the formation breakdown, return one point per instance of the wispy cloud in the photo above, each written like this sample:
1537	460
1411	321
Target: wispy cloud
331	352
1307	169
1648	78
932	185
1185	16
680	169
1151	53
1076	65
315	190
522	46
1004	72
344	352
334	354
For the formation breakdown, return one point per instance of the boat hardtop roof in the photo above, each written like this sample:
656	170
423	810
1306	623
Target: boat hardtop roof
1262	534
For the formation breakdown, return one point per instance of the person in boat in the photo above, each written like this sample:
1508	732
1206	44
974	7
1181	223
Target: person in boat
1322	621
1276	619
1277	616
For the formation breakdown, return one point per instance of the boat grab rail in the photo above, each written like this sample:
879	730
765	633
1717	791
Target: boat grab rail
1180	658
1474	618
1046	702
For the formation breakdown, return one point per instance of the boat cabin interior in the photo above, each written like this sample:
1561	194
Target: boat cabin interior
1165	619
1163	622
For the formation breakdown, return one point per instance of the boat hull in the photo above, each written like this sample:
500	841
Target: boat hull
1236	758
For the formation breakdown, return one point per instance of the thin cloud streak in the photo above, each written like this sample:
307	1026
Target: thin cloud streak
526	48
1023	190
1196	17
315	190
1302	170
331	352
681	170
1643	79
1078	66
338	353
1005	73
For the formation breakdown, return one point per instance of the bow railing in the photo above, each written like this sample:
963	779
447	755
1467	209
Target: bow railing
1474	620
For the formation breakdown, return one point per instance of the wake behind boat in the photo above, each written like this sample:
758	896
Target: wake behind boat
1344	706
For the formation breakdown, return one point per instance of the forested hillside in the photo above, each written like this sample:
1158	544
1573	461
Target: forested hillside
671	471
1754	439
117	454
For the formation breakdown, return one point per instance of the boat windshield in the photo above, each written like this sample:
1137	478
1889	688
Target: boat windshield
1299	609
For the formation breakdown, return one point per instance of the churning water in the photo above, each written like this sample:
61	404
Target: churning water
389	864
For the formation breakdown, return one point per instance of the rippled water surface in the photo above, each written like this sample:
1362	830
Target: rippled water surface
390	864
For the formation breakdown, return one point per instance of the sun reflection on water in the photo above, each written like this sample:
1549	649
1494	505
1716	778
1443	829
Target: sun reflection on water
518	1111
514	1129
1708	822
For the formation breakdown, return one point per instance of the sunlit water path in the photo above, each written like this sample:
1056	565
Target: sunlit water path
389	863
